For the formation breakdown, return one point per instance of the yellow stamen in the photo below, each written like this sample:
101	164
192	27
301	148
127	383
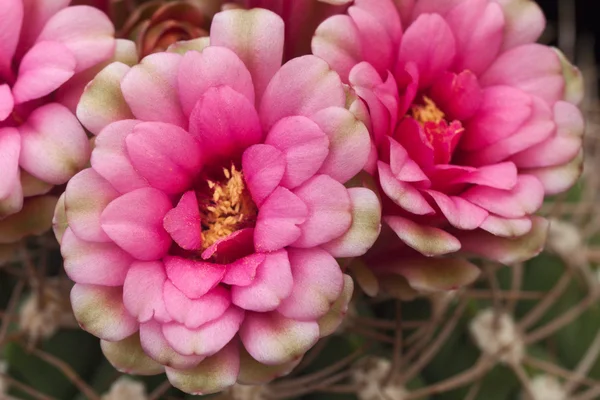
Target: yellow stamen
230	209
428	112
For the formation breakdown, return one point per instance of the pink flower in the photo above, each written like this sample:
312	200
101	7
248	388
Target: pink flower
473	124
202	239
46	48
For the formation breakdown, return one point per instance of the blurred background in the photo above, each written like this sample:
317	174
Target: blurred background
543	315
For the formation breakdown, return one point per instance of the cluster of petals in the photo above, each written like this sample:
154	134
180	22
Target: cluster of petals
203	238
47	53
473	123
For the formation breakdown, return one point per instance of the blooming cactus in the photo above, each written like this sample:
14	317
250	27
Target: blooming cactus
45	47
202	239
473	124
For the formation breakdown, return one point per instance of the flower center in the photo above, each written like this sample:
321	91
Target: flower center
228	209
442	137
427	112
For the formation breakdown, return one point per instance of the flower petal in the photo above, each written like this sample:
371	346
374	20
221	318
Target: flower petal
329	322
349	143
318	282
271	285
110	158
365	228
102	101
427	240
155	345
304	145
506	250
134	221
87	196
329	211
210	376
94	263
461	213
278	220
272	339
43	69
143	291
263	166
150	89
100	311
10	148
525	22
52	130
11	21
193	278
303	86
215	66
183	222
253	372
194	313
403	194
225	122
127	356
33	219
256	36
209	338
168	157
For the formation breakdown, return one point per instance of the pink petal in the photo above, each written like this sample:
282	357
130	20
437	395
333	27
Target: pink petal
193	278
225	122
102	103
43	69
263	166
254	373
402	193
196	312
278	221
506	250
329	211
427	240
499	176
459	95
94	263
272	339
11	21
230	248
87	195
100	311
337	41
557	179
331	321
402	166
7	102
524	199
318	282
143	291
304	145
257	37
459	212
215	66
429	43
134	221
243	271
110	158
303	86
365	228
10	147
505	227
36	14
212	375
129	357
183	222
168	157
478	28
272	284
502	111
525	22
209	338
156	346
150	89
349	143
85	31
54	145
533	68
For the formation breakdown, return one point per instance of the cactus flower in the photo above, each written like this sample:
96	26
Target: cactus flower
203	239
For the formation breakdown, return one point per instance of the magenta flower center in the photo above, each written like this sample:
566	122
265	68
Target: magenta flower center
225	207
441	136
